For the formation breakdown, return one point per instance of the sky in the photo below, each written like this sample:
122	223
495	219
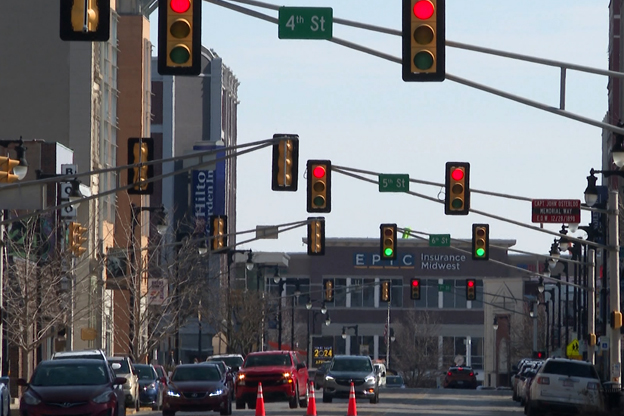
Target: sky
354	109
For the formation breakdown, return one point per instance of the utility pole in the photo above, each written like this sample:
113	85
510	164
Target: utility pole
591	305
614	283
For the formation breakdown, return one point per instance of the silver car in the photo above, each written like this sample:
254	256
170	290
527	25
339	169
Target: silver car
347	369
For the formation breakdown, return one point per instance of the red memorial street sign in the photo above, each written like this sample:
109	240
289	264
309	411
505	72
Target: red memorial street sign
556	210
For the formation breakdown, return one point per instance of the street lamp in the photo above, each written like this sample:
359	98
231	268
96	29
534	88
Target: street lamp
564	243
75	194
344	334
540	285
554	255
323	308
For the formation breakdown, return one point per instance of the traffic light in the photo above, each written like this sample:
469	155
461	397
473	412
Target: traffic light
140	150
384	291
316	236
457	188
616	319
328	287
6	167
471	289
319	185
480	241
539	355
285	162
218	232
77	238
423	40
415	289
179	37
79	24
388	241
591	339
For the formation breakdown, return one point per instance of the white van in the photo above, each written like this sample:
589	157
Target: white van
380	369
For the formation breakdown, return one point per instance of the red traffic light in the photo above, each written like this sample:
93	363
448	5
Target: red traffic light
318	171
180	6
415	283
471	283
423	9
457	174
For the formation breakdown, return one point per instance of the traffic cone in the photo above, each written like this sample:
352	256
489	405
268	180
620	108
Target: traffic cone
260	402
311	400
352	409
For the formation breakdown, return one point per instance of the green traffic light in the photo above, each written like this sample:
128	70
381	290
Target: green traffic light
480	252
388	252
423	60
180	54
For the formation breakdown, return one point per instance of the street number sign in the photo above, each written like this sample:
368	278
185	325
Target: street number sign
444	288
556	211
440	240
305	23
389	182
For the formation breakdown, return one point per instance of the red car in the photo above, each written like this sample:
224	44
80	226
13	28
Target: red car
197	388
284	377
460	377
72	387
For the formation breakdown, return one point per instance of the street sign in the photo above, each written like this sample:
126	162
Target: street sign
305	22
66	190
440	240
556	211
390	182
604	343
444	288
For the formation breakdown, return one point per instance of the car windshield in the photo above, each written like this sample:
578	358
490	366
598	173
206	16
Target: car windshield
229	361
196	373
265	360
570	369
219	363
70	374
352	365
146	372
323	367
124	369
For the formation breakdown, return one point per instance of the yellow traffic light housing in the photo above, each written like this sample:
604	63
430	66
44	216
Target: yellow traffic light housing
90	24
319	186
285	162
471	289
6	167
328	288
424	41
218	232
77	238
457	188
384	291
179	37
591	340
140	150
316	236
480	241
415	289
388	241
616	319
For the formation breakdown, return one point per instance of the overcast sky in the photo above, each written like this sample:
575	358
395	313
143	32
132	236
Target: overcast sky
354	109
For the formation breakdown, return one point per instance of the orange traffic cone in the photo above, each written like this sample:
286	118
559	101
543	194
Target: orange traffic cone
260	402
352	409
311	400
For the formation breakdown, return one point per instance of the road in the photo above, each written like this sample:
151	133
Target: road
430	402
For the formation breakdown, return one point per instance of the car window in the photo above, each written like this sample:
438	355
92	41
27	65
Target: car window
145	372
70	375
570	369
196	373
268	360
352	365
324	366
219	363
229	361
160	371
124	369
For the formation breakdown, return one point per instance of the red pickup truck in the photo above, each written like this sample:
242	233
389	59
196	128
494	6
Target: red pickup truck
284	377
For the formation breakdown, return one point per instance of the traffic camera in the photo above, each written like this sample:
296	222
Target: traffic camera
85	20
415	289
218	232
179	37
471	289
316	236
319	185
457	188
285	162
480	241
423	40
140	151
388	241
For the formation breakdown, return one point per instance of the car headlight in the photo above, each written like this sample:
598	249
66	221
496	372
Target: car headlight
172	393
31	400
218	392
370	379
150	386
328	378
102	398
241	379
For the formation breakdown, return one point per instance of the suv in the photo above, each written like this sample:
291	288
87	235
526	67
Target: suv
234	361
124	367
565	385
347	369
93	354
461	377
284	376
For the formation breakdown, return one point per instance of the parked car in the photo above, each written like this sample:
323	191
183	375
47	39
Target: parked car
150	386
228	378
345	369
525	384
162	374
394	382
124	367
380	369
523	366
319	376
283	374
234	361
86	386
460	377
92	354
566	386
197	388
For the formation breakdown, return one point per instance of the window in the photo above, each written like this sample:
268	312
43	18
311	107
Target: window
340	292
362	293
396	292
478	304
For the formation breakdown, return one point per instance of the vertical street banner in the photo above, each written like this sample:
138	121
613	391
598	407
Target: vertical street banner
208	191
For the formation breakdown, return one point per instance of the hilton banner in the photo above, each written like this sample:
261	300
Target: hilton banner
208	191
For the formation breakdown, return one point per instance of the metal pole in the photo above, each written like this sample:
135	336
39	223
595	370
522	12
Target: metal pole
614	284
388	331
591	306
535	327
559	314
567	310
292	325
279	316
309	339
547	325
2	254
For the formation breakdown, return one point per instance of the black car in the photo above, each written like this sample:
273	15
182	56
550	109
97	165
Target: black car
319	375
227	374
150	386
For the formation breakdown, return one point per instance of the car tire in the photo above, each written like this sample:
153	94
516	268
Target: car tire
228	407
168	413
240	404
375	398
303	402
294	401
251	404
326	397
531	410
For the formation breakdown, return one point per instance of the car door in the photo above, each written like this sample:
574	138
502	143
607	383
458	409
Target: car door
302	375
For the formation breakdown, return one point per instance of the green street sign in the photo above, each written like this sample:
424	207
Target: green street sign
444	288
439	240
305	22
393	182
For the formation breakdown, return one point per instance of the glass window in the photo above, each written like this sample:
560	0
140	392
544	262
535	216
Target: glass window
355	290
476	351
396	292
478	304
340	292
368	293
448	298
460	294
431	293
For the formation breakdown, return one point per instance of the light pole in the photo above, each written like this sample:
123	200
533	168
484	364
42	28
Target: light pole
344	336
249	265
495	327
